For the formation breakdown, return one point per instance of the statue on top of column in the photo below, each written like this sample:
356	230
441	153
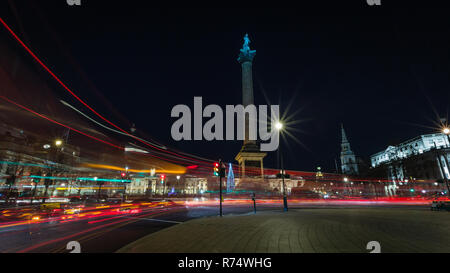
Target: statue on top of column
246	52
246	46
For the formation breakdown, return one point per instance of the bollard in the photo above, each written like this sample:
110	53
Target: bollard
254	202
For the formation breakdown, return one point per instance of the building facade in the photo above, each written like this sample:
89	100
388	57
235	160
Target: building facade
423	157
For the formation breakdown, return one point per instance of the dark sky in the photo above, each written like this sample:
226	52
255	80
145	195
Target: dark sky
379	70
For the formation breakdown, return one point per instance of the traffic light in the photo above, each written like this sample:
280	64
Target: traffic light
125	177
163	177
222	170
216	169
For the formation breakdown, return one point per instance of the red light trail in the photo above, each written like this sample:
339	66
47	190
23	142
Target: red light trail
56	122
78	98
203	162
78	131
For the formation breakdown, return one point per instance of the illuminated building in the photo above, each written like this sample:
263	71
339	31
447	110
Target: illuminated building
415	146
423	157
23	154
276	184
141	186
195	185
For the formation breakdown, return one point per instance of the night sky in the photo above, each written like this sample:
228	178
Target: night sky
382	71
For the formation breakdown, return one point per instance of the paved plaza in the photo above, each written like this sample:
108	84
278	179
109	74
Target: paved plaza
320	230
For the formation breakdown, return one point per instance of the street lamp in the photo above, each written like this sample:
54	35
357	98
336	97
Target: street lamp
446	132
279	127
346	191
126	177
58	142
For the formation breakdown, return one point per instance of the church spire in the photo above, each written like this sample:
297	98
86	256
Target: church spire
344	136
349	164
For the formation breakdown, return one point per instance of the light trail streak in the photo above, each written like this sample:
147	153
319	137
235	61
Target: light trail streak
97	234
110	167
86	231
37	59
56	122
50	72
80	100
106	127
24	164
81	212
78	178
98	214
103	220
78	131
155	220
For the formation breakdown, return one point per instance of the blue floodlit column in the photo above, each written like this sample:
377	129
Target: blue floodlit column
245	58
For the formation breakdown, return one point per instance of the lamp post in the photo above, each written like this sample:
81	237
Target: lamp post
345	187
446	131
49	181
178	182
58	142
279	127
125	177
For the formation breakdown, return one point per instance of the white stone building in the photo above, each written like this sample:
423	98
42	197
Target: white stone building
415	146
195	185
425	157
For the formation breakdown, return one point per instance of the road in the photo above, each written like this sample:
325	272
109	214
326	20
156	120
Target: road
108	233
104	234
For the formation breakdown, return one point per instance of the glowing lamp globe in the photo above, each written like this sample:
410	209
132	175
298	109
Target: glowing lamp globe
279	125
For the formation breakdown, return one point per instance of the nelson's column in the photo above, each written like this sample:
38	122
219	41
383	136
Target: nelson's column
250	155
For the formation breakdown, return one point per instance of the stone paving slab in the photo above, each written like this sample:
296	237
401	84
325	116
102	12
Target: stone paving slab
305	231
